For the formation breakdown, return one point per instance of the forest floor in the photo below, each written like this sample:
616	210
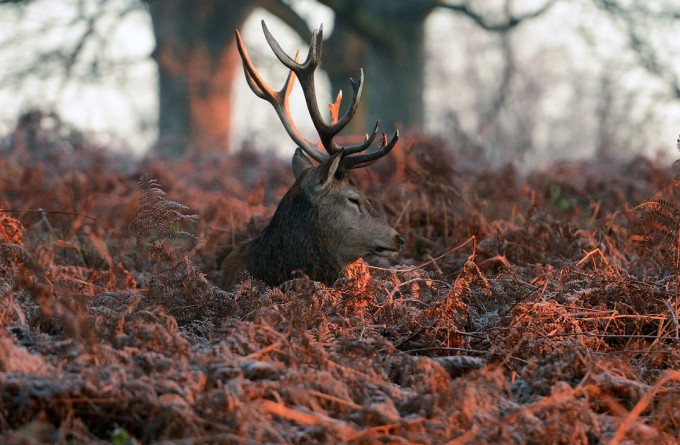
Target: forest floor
537	307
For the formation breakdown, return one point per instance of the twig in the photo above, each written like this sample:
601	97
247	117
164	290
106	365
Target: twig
590	255
382	430
306	418
390	297
41	211
410	337
209	438
335	399
592	334
614	316
427	263
403	211
674	317
642	405
500	258
545	287
263	351
447	348
465	437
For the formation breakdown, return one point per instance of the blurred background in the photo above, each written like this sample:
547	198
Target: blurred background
505	80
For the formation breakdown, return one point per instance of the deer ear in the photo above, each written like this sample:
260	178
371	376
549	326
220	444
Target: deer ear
326	171
300	163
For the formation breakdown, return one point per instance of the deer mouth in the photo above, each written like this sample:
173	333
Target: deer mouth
384	251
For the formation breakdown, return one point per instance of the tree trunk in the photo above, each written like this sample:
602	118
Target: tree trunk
196	59
387	39
397	77
197	62
341	60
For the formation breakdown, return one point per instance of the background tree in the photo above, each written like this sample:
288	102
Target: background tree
197	62
388	39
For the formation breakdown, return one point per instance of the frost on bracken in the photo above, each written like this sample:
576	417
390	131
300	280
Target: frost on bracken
524	308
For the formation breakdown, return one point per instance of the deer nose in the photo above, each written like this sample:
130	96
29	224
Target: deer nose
400	240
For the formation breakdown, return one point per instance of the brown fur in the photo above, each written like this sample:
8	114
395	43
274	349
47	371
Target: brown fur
316	230
323	222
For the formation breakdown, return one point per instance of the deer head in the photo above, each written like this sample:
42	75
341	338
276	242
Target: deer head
323	222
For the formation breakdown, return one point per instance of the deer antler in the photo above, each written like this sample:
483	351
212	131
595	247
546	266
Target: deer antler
305	74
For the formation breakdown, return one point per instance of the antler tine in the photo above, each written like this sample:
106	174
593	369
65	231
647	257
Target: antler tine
278	99
334	107
305	74
255	82
357	87
362	160
327	131
351	149
313	56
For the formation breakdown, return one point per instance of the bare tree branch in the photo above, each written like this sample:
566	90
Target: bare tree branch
509	70
72	58
66	58
288	15
483	22
362	23
636	9
646	53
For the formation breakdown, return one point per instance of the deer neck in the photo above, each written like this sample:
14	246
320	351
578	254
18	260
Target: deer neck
294	240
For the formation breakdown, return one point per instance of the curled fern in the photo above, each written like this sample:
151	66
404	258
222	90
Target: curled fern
176	283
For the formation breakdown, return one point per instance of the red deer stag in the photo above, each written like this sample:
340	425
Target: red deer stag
323	222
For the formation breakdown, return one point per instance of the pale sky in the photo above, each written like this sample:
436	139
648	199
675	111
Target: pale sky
121	110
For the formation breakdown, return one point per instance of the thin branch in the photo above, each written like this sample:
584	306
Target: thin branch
288	15
503	92
511	21
64	60
642	404
647	55
74	55
42	211
635	9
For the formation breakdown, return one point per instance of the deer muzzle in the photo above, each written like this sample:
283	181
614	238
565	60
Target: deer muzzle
380	248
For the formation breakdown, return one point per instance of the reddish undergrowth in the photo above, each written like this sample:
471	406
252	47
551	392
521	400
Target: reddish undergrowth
525	308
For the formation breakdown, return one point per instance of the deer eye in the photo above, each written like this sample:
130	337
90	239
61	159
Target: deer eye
354	202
